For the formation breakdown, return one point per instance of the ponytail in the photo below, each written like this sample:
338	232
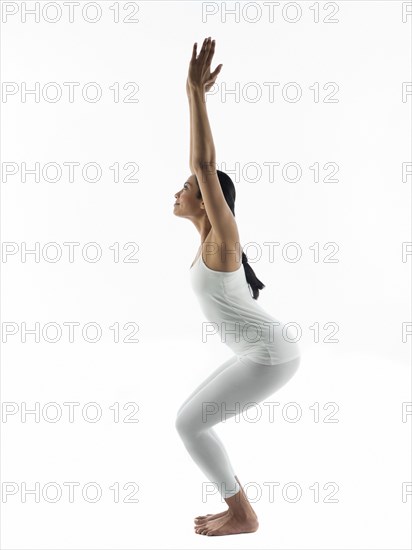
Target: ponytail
251	278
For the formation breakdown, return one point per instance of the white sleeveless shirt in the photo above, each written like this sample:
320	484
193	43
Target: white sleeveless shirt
243	325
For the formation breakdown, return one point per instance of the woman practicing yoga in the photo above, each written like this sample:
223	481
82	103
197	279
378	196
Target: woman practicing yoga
265	358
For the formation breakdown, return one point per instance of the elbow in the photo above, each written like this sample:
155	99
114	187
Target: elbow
205	164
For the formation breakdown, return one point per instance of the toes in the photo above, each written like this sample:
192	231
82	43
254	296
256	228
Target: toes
202	517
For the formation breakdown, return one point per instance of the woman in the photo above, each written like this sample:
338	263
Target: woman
264	359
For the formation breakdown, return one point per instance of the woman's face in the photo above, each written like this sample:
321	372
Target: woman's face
187	204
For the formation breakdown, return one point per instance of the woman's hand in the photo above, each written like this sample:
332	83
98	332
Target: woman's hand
199	76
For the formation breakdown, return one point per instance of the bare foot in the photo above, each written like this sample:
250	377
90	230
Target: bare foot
228	525
202	520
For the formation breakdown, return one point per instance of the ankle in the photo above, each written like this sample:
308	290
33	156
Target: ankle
243	515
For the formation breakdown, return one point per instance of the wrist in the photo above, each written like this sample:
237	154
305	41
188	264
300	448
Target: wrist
198	95
195	89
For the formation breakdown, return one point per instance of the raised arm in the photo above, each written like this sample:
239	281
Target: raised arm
199	81
189	97
203	149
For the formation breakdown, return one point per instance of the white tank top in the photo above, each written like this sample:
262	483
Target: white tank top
243	325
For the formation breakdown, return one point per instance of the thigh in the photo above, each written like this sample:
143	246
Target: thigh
216	372
236	388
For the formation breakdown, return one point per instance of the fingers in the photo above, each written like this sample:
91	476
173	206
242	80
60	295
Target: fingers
206	53
216	71
194	51
205	48
202	49
205	43
210	51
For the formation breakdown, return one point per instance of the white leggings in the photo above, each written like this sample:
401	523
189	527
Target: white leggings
233	387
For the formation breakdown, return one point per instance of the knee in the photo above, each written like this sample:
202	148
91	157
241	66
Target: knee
185	427
178	422
181	424
296	363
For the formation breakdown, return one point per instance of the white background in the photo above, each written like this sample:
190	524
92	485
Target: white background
365	294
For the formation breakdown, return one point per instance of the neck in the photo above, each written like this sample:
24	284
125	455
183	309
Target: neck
203	226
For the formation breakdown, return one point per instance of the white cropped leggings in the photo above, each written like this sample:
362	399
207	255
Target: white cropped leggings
232	388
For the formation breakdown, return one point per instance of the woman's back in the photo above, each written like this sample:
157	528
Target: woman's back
244	326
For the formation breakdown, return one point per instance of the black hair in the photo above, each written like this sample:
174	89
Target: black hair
229	193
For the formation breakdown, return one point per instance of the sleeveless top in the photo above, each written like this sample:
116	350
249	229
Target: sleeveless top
242	324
